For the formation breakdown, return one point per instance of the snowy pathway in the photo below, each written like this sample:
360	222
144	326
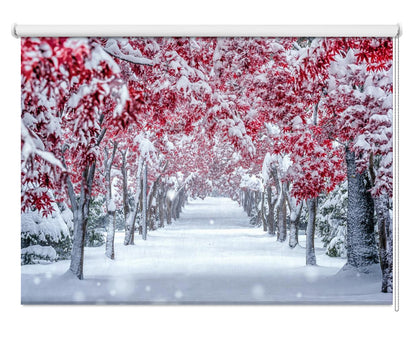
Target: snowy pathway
210	255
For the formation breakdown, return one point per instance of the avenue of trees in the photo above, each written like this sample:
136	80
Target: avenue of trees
279	124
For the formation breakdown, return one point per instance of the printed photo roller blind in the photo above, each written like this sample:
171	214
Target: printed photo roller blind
210	164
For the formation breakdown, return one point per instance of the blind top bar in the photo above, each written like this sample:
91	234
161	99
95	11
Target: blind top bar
205	30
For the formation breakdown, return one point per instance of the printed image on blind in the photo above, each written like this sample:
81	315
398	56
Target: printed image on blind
207	170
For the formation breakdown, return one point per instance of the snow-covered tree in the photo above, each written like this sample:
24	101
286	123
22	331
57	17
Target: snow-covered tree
359	114
70	90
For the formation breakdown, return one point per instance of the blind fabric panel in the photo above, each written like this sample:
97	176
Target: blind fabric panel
252	144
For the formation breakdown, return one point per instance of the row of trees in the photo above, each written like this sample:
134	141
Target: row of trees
275	122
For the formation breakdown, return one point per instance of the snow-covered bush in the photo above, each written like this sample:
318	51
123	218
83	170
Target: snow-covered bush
67	216
119	219
98	222
38	254
331	220
50	232
94	236
337	246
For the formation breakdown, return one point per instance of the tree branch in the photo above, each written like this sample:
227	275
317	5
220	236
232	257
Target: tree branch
129	58
101	136
70	186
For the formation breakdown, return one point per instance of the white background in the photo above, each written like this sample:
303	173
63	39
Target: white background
198	320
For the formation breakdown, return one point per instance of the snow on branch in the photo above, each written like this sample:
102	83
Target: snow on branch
133	56
251	182
34	146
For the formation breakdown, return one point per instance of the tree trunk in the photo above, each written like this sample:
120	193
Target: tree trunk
80	210
182	202
161	204
310	233
295	212
126	204
257	196
156	193
249	203
281	205
385	233
270	214
144	209
281	221
263	218
361	248
151	210
77	253
129	234
168	211
174	206
131	220
177	204
312	205
109	245
108	163
245	201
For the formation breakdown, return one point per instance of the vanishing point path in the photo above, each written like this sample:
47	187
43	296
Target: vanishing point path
210	255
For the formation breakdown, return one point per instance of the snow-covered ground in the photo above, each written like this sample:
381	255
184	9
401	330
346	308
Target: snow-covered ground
210	255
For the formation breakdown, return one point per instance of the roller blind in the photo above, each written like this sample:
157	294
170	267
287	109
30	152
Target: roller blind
272	133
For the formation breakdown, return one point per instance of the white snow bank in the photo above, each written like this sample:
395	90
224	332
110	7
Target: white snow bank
210	255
